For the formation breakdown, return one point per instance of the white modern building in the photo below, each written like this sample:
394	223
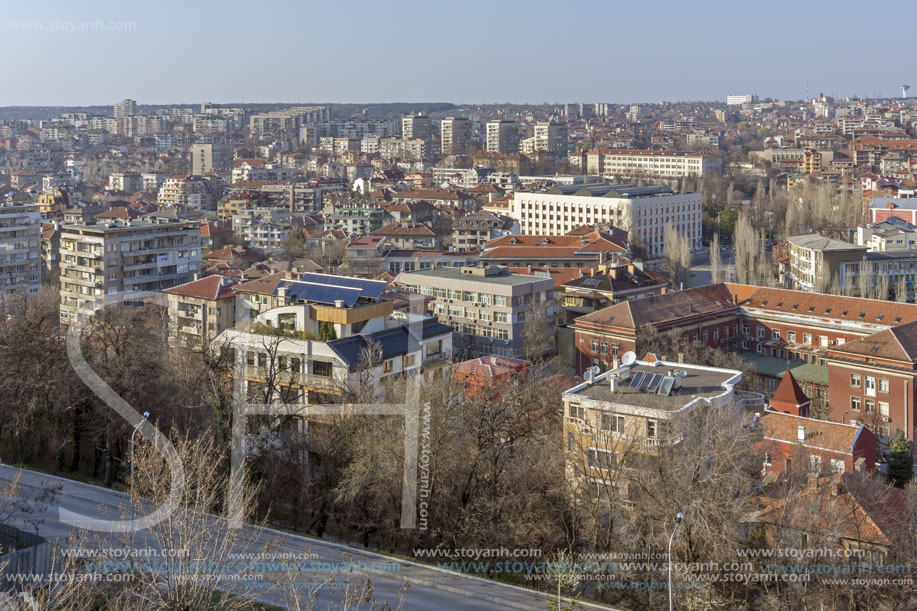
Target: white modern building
644	212
652	163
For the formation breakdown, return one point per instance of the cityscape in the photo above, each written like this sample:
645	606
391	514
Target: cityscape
649	345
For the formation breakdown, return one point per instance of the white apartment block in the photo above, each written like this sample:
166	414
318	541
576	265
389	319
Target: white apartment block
737	100
644	212
20	249
502	137
107	259
125	108
551	136
416	127
652	163
190	192
402	149
287	119
455	135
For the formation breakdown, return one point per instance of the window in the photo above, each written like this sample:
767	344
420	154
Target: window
501	317
651	429
611	423
775	333
408	360
761	331
883	411
870	386
837	465
322	368
855	380
601	459
595	345
870	406
604	347
855	403
576	412
386	365
768	460
883	385
500	301
807	338
791	336
814	463
571	441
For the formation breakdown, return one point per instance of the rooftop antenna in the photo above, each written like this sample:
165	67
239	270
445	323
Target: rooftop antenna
904	89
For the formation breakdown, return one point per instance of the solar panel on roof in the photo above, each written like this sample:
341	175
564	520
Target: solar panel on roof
638	377
371	289
666	387
322	293
646	381
654	383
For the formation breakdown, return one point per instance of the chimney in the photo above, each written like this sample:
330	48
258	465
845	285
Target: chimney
197	276
613	272
613	383
281	291
614	363
801	433
339	303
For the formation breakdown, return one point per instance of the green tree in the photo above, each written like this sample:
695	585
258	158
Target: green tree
900	462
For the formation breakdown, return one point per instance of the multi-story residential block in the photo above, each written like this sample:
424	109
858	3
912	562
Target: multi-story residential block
191	192
486	306
106	259
473	231
129	182
455	136
20	249
356	221
632	163
551	136
408	236
621	418
416	127
200	310
415	149
737	100
317	338
502	137
125	108
644	212
815	261
464	178
288	119
205	158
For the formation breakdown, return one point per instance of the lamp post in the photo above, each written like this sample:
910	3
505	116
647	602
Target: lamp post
134	434
678	520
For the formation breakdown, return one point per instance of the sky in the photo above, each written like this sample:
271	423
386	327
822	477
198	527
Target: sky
63	52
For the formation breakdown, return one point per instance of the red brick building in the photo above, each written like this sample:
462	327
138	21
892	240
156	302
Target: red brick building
839	337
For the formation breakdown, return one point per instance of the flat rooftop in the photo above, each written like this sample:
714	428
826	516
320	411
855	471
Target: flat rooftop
641	388
457	273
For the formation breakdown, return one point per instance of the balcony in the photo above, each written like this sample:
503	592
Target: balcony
750	400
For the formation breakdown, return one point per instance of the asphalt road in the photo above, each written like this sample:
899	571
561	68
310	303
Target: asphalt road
430	589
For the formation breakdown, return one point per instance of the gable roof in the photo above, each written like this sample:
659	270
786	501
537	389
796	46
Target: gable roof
898	343
662	309
210	287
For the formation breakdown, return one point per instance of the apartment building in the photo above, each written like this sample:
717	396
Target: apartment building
399	148
20	249
486	306
644	212
125	108
551	136
473	231
416	127
860	355
316	338
502	137
288	119
617	421
205	158
100	260
129	182
191	192
650	163
200	310
455	136
815	261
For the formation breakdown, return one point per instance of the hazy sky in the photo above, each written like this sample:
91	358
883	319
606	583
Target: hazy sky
164	51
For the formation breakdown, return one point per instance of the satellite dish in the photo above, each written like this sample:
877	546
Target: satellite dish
588	375
682	373
628	358
595	369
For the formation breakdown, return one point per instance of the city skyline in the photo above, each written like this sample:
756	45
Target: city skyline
415	52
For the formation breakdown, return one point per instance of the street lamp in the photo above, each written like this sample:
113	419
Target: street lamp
678	520
134	434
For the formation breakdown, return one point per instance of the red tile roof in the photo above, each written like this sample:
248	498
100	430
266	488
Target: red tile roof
211	287
788	391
